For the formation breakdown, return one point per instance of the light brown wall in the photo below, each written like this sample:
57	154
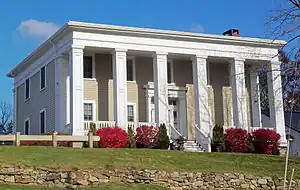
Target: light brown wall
219	78
183	72
39	100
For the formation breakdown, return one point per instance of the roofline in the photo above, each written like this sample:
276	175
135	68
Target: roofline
147	31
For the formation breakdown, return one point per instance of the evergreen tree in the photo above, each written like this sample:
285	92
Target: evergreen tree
131	143
163	139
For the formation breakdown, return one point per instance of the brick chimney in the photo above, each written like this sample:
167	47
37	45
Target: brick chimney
232	32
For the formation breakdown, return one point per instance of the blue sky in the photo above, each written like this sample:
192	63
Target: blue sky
25	24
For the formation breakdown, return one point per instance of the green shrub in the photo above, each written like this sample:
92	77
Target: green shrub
131	138
217	144
163	138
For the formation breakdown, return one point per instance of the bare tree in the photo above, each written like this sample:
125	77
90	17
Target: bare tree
5	115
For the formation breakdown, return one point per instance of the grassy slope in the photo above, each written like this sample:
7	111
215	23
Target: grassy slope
101	187
147	159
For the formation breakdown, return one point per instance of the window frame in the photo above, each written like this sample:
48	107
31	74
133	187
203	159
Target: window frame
45	120
132	58
134	111
93	102
25	89
171	62
27	120
45	85
89	54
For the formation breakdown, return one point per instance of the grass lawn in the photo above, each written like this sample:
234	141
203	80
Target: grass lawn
102	187
256	164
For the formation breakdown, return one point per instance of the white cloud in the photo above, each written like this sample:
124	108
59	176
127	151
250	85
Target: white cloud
39	29
198	28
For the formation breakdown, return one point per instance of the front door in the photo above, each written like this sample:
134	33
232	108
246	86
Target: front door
173	116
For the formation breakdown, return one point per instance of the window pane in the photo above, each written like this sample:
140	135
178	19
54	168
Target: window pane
43	78
88	112
42	120
130	113
26	128
88	66
129	70
27	89
169	72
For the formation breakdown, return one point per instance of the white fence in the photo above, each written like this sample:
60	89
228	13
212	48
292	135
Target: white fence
54	138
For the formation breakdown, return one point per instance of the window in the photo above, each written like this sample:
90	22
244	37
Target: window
26	126
170	71
130	113
130	65
43	78
43	121
27	89
88	67
88	111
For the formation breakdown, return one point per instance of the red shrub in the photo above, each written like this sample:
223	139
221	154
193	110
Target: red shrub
236	140
27	143
112	137
265	141
147	136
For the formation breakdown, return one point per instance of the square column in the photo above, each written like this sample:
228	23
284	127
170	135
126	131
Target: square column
160	88
238	94
255	99
202	110
76	90
120	87
276	100
61	100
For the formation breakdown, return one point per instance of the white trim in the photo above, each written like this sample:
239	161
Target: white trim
91	54
134	111
93	102
27	119
41	89
45	122
132	58
25	87
171	62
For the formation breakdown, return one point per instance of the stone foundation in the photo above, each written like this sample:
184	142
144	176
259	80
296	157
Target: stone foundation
175	180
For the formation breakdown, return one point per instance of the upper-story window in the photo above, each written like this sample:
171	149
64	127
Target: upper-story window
88	67
170	71
43	78
27	89
130	69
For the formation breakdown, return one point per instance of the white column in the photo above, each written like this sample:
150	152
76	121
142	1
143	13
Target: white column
76	90
15	123
255	99
120	88
202	114
160	88
61	74
238	94
275	100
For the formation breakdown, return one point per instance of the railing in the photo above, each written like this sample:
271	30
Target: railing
17	138
255	128
203	140
103	124
174	133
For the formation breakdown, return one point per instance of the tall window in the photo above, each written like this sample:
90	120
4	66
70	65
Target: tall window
130	113
43	78
170	71
130	70
88	66
27	89
88	112
43	121
26	127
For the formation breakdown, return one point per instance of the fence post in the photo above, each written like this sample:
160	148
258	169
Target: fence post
90	138
54	139
17	139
